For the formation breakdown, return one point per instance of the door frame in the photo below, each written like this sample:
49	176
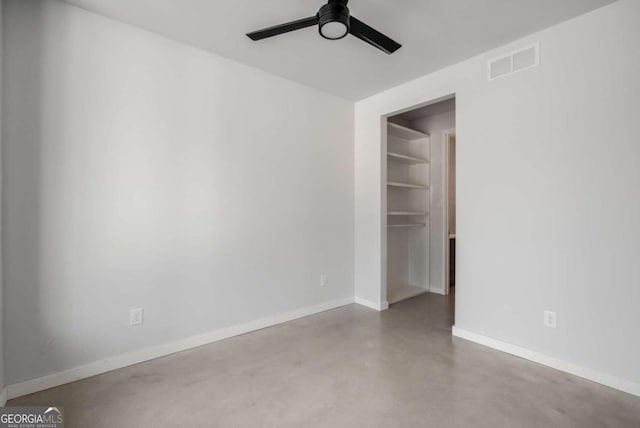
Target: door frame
384	304
446	135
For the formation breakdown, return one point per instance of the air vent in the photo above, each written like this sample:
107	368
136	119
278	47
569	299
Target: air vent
500	67
516	61
525	58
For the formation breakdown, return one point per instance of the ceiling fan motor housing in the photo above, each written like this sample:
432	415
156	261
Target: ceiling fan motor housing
334	12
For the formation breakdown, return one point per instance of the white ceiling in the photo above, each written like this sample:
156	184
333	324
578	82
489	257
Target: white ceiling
434	34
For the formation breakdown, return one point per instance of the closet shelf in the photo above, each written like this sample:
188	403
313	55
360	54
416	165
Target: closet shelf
408	160
406	185
405	133
407	225
407	213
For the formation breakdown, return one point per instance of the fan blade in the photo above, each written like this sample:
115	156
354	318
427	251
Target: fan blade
283	28
373	37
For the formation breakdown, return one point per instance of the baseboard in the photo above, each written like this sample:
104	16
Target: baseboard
373	305
114	363
546	360
3	397
437	291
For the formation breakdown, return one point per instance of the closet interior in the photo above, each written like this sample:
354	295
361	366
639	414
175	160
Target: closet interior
420	200
407	190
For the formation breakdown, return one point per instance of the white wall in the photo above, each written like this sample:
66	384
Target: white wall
435	125
2	323
140	172
548	172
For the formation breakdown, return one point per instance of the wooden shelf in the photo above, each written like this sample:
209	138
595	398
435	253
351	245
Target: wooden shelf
406	225
404	159
397	293
406	185
407	213
405	133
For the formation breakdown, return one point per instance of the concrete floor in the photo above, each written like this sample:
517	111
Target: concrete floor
349	367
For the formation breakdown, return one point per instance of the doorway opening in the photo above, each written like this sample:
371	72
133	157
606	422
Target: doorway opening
419	199
449	139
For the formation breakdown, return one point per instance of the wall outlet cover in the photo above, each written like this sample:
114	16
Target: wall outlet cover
324	280
136	316
550	319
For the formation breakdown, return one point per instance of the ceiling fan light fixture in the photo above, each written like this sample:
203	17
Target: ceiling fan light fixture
333	20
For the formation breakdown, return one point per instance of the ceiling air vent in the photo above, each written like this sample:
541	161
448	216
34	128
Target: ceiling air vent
515	61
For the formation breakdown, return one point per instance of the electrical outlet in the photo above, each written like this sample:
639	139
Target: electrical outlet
136	316
550	319
324	280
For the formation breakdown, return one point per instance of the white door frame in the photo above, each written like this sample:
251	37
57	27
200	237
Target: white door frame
383	196
446	135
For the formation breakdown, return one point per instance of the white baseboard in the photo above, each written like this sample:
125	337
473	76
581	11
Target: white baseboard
546	360
109	364
373	305
3	397
437	291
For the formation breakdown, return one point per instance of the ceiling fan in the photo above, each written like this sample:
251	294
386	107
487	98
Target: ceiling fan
334	22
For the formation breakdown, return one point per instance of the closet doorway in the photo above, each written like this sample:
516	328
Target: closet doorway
449	139
419	198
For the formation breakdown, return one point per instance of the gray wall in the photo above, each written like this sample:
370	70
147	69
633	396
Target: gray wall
144	173
548	215
2	323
